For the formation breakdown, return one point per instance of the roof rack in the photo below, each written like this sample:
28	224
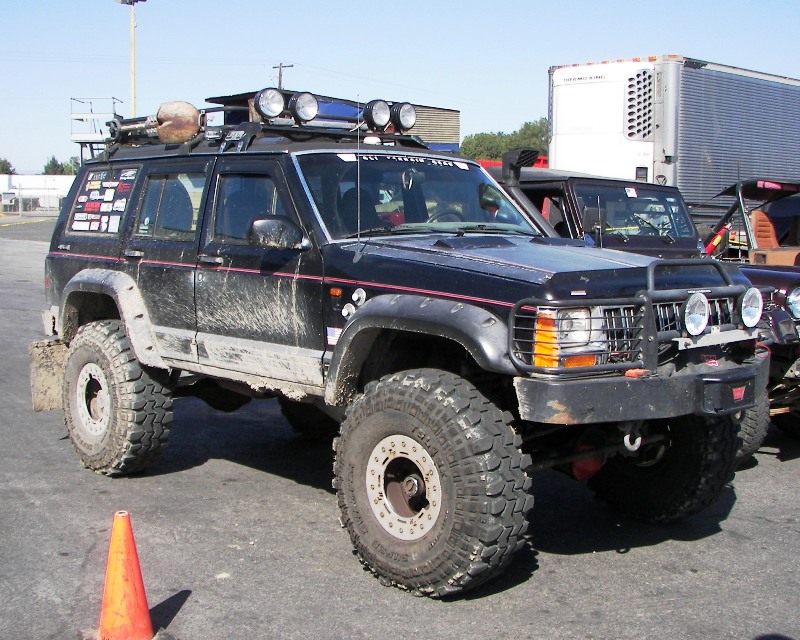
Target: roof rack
270	113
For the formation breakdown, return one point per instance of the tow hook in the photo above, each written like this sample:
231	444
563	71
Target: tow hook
632	438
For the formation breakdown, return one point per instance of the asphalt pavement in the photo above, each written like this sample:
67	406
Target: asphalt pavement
238	536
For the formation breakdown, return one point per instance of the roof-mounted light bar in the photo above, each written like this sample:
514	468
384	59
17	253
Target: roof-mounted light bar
270	104
403	116
303	107
378	115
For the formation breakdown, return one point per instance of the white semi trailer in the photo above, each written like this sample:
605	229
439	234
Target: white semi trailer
674	120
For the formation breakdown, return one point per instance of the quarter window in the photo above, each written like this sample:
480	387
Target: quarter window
102	201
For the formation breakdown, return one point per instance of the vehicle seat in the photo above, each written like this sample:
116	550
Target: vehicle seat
763	230
348	212
593	219
177	214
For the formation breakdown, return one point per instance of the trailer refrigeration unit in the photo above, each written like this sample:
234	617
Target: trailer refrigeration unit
674	120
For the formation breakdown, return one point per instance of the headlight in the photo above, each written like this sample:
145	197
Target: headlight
269	103
695	314
377	114
403	116
574	327
751	307
793	302
303	107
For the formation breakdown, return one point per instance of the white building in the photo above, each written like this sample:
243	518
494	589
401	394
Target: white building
33	192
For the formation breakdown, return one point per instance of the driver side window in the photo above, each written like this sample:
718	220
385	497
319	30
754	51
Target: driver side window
241	199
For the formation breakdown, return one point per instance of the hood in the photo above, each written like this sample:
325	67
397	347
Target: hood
501	269
529	259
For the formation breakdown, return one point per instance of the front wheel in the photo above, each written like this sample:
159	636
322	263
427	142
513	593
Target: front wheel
117	416
683	470
430	483
753	429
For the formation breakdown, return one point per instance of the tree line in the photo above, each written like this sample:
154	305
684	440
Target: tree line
492	146
51	168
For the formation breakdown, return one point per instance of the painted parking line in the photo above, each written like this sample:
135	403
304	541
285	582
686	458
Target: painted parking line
12	224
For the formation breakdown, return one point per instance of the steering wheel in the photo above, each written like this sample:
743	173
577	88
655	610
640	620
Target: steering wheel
442	216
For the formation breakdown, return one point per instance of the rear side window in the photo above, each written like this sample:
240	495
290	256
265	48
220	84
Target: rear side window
170	206
102	201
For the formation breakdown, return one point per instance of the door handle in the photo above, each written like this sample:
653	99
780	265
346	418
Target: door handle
133	253
211	260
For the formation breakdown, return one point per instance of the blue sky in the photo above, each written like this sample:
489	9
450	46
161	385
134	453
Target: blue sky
465	55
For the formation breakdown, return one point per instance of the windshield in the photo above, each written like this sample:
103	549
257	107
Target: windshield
405	193
632	211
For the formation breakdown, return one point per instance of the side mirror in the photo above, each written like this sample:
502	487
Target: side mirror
276	233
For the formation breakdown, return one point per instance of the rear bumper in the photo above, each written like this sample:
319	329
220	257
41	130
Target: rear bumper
712	391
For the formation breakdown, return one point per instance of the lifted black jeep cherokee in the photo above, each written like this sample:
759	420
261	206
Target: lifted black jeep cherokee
368	281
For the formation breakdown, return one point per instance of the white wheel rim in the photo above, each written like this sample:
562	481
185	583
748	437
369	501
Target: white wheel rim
92	399
404	487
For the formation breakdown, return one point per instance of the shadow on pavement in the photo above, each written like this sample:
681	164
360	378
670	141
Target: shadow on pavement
164	612
256	436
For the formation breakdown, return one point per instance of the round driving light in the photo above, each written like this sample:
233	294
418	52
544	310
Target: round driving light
403	116
376	113
303	107
793	302
269	103
751	307
695	314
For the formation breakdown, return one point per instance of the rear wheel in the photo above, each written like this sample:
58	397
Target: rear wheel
117	416
430	483
675	477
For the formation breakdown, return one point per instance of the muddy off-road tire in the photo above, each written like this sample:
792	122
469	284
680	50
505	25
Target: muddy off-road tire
430	483
117	416
675	478
308	421
753	429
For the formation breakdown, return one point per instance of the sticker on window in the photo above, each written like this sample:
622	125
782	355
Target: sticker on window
102	193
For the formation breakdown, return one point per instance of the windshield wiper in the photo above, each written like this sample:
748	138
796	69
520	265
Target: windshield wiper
598	234
401	230
489	228
662	233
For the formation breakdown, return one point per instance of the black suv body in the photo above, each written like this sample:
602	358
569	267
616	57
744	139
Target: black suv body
396	298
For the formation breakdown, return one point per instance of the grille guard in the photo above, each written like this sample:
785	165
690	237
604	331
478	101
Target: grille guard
632	328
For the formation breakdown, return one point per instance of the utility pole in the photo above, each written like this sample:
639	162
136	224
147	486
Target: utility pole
132	4
280	67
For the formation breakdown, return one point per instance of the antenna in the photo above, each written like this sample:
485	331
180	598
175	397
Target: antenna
360	249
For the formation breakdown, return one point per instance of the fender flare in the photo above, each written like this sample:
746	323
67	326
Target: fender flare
121	288
483	334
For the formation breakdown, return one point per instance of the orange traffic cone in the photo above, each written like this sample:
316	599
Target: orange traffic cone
124	614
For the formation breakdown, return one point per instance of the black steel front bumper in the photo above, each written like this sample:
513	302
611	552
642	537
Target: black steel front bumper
727	389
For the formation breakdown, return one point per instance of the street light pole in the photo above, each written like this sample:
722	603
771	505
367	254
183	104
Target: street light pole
132	4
